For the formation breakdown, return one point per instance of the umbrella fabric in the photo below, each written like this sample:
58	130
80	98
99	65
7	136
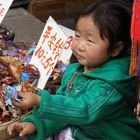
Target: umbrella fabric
135	35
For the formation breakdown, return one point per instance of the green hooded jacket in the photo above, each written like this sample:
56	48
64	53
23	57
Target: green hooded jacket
96	105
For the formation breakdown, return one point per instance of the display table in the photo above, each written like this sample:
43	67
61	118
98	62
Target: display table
27	28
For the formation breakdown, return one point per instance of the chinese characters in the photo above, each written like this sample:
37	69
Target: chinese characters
2	9
54	45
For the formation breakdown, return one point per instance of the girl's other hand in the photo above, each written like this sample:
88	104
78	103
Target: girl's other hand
23	128
28	100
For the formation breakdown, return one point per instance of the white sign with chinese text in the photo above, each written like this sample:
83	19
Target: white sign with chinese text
48	50
4	6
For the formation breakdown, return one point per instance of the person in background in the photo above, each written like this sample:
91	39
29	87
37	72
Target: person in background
97	95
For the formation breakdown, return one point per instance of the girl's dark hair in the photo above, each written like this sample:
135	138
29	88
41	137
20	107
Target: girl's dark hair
113	18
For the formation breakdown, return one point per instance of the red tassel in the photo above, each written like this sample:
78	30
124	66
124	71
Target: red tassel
134	58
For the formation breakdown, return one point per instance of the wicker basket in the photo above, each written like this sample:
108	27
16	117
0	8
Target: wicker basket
3	128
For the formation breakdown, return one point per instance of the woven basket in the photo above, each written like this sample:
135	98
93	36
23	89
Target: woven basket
3	128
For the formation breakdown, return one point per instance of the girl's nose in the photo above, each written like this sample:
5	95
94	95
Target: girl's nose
81	46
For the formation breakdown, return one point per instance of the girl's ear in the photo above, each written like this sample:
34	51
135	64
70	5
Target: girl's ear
117	49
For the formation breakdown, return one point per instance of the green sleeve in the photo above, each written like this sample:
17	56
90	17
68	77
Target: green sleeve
45	127
98	102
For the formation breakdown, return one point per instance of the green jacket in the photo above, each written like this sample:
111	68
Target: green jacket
97	105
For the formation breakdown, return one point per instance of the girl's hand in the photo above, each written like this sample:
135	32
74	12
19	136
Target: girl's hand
23	128
28	100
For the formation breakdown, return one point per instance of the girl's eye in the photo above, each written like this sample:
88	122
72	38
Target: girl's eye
90	41
77	36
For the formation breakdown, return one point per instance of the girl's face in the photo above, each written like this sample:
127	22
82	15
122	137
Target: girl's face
87	46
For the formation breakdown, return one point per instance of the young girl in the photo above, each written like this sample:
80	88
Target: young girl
97	95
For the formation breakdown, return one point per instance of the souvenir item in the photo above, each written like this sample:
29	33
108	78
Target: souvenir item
11	92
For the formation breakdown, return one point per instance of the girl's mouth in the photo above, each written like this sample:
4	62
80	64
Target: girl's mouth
79	57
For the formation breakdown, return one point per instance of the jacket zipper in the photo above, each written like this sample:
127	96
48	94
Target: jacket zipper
70	84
